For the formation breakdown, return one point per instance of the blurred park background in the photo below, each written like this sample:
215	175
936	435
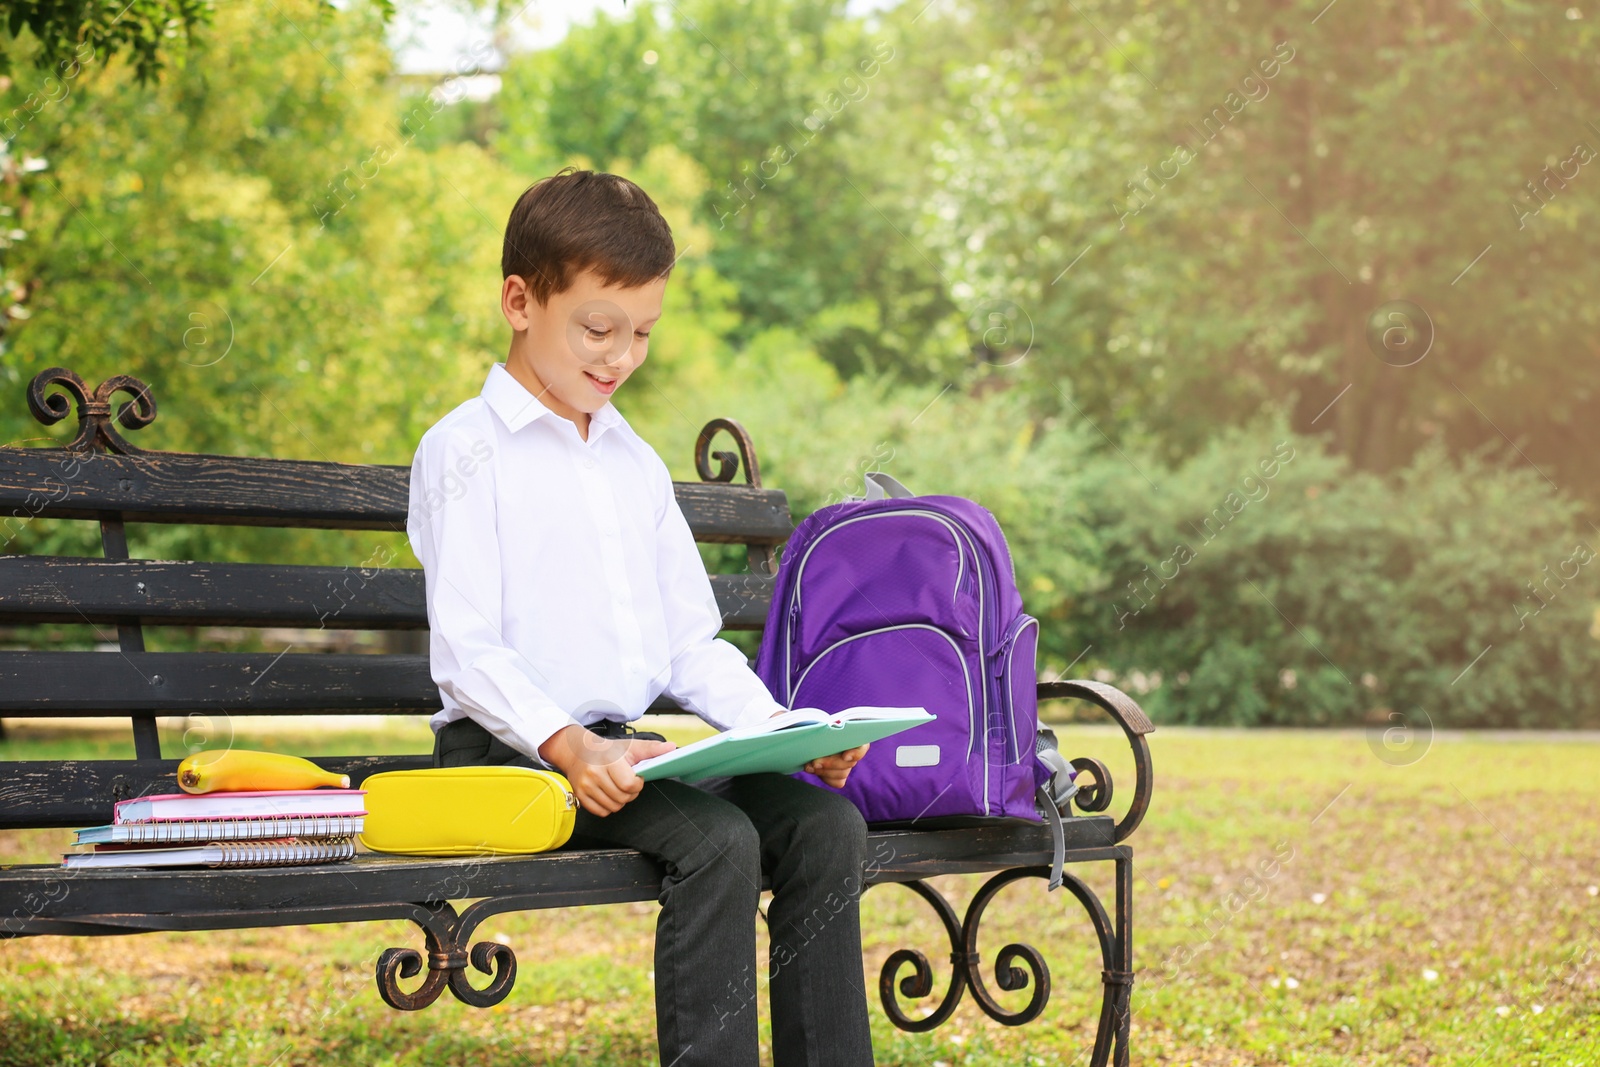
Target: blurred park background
1268	330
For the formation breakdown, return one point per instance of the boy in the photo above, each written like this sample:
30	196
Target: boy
565	592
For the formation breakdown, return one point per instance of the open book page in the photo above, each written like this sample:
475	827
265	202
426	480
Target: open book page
814	716
782	744
784	721
868	714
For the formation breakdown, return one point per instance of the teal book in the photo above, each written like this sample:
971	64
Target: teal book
782	744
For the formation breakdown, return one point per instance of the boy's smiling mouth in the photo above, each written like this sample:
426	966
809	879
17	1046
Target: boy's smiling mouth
605	386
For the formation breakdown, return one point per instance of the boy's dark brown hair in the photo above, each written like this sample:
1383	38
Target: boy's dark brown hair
577	220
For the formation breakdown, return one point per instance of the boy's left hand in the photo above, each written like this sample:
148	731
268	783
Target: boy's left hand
835	769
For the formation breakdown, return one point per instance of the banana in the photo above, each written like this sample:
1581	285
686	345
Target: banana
238	770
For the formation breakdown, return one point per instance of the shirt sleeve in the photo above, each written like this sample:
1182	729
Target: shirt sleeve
708	675
452	529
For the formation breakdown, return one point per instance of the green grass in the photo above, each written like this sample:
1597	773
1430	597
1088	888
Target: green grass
1297	902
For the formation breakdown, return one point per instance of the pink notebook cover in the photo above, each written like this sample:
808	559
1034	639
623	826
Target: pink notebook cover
202	810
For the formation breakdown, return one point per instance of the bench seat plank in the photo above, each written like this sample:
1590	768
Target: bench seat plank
130	901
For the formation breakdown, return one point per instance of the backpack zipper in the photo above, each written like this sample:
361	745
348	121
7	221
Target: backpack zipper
799	575
965	675
1004	655
965	541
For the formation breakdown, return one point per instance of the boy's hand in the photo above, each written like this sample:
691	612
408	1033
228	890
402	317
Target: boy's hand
599	769
835	769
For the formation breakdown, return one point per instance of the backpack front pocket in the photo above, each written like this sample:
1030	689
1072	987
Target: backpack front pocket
928	770
1017	666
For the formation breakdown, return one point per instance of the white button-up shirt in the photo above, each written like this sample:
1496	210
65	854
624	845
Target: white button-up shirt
563	582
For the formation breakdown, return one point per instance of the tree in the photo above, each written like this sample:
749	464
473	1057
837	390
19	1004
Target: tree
777	120
1201	214
150	32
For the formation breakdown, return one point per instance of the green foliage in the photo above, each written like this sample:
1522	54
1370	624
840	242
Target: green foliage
779	121
1230	268
259	239
299	252
151	33
1324	596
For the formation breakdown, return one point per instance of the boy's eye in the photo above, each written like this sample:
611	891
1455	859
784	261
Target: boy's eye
597	333
643	335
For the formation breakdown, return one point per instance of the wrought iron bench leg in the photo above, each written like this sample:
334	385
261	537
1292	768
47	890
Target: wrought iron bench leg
1118	1005
448	936
1116	955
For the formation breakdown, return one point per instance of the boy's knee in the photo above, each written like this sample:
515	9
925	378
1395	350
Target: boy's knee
837	824
734	840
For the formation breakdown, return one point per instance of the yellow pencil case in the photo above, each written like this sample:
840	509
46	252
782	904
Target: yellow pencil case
468	811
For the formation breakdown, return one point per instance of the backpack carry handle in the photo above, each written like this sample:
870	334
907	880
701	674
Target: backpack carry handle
881	486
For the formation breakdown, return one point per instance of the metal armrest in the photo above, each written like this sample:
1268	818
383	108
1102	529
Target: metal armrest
1135	724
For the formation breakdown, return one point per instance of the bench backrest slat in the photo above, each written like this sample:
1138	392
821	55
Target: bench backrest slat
155	592
105	479
244	491
54	685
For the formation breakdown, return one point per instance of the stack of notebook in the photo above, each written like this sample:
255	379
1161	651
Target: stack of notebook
260	829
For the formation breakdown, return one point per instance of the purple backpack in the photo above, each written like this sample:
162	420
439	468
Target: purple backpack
911	601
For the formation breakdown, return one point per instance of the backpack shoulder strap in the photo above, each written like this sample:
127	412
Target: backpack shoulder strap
1058	837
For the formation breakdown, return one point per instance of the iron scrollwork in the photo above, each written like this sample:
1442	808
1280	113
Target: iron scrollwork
763	557
447	936
919	983
967	964
96	429
1136	726
727	462
1092	796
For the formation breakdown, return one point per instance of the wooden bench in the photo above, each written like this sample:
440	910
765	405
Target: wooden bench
100	477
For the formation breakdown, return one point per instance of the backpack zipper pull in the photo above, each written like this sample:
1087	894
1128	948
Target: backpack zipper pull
1000	651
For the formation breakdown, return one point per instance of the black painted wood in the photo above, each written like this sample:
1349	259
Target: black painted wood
177	487
56	685
48	793
98	683
218	899
130	635
75	589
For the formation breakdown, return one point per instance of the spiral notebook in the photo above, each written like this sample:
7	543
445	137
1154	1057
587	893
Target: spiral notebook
275	803
208	830
279	852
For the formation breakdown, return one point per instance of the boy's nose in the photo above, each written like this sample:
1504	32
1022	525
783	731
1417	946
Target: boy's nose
624	360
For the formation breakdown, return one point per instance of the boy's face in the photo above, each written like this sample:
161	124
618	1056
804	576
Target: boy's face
575	351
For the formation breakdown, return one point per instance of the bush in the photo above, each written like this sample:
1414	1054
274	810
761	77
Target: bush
1263	582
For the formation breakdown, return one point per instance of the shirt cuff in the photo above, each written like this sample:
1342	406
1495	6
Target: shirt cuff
541	733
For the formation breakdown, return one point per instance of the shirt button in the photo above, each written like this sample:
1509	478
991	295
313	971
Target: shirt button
589	463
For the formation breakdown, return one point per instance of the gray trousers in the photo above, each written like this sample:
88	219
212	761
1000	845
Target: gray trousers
716	843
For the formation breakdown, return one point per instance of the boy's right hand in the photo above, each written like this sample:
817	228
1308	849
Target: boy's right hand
600	770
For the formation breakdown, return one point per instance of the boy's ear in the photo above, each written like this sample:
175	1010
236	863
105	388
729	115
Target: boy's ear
516	302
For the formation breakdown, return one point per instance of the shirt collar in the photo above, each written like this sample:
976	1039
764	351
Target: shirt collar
517	407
